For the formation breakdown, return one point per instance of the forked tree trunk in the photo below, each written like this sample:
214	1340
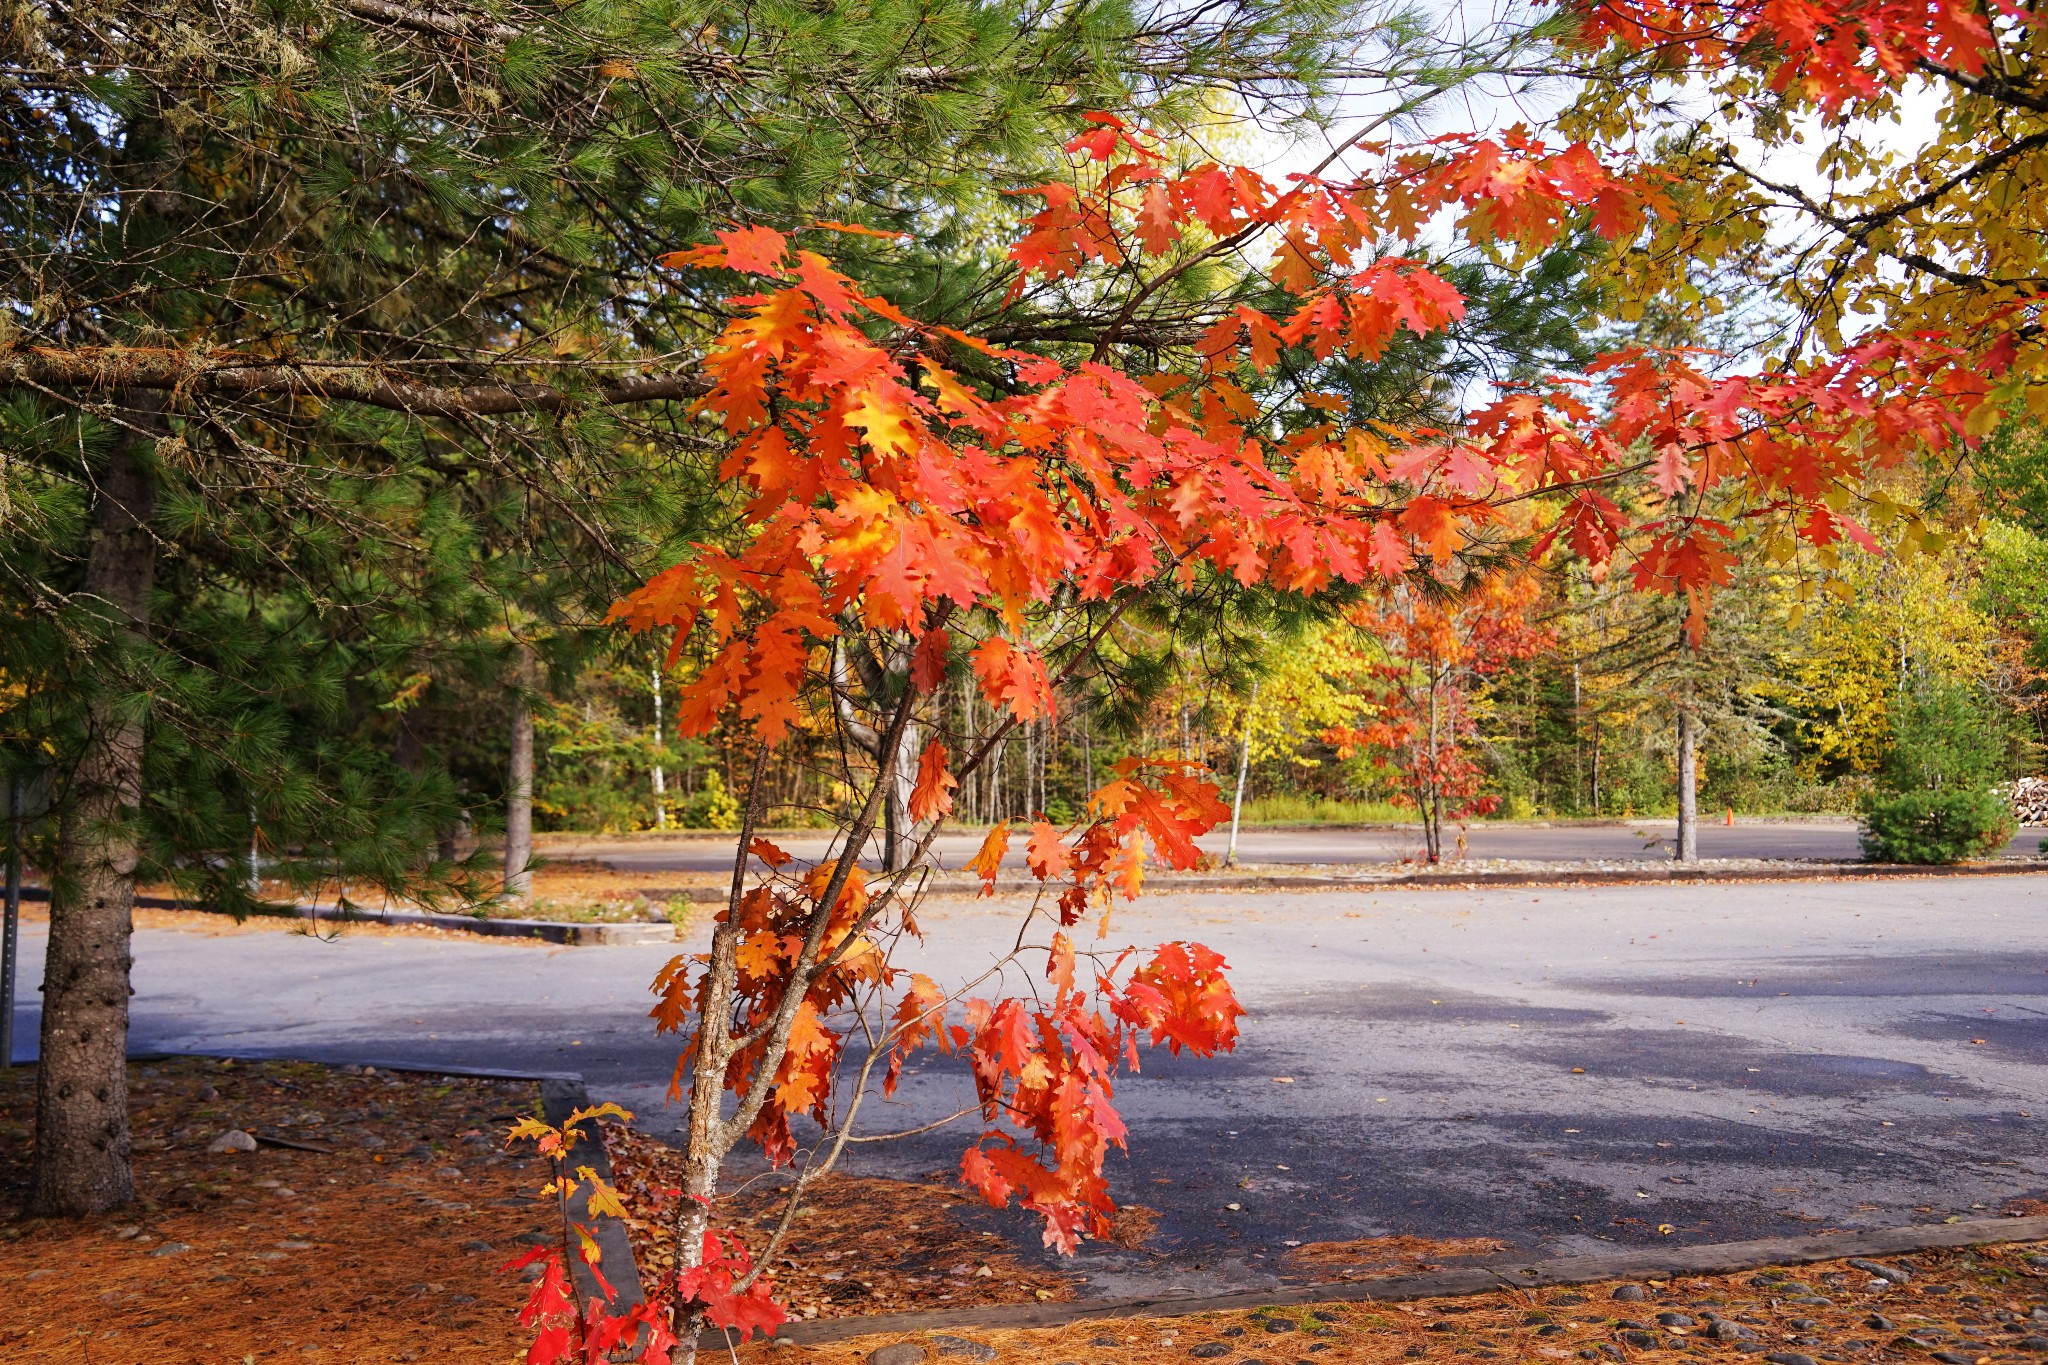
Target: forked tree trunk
519	783
82	1143
1688	850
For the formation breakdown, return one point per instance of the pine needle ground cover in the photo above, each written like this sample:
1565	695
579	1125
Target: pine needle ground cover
384	1246
1987	1306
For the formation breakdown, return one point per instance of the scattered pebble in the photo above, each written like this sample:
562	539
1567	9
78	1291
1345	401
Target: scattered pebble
170	1249
901	1353
961	1346
1630	1293
233	1140
1209	1350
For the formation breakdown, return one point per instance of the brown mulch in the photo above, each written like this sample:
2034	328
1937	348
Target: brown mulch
385	1247
1987	1306
860	1246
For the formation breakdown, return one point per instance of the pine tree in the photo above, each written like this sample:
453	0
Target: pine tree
331	325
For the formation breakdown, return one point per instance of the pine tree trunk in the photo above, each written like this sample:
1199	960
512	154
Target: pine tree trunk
519	783
1688	799
82	1143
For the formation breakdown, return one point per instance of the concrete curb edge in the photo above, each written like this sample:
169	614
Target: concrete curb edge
1647	1263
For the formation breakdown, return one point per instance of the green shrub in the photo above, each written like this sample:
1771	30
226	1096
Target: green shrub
1934	826
1933	801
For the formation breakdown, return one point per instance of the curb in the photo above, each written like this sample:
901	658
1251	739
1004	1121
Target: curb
547	931
1654	874
559	1097
1652	1263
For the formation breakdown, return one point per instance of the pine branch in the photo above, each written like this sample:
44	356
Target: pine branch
227	374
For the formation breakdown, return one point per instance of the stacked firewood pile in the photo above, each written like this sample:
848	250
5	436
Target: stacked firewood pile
2028	798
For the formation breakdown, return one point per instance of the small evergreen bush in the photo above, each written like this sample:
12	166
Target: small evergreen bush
1934	826
1933	801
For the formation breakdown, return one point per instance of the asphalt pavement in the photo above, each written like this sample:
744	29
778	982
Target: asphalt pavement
1564	1069
1826	840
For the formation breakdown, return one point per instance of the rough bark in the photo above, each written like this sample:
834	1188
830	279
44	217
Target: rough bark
1688	848
82	1141
519	783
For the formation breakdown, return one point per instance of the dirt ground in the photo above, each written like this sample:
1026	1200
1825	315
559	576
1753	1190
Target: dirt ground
1983	1307
384	1245
858	1247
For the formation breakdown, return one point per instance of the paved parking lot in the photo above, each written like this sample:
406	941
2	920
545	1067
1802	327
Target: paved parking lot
1560	1068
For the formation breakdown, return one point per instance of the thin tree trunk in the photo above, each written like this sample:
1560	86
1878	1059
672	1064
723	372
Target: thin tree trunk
660	775
82	1141
1244	763
1688	850
519	783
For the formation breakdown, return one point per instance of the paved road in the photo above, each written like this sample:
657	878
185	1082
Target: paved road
1560	1068
1830	840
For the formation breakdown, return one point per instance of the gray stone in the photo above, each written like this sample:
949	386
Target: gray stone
1550	1329
1895	1274
961	1346
1879	1322
1278	1325
1231	1332
1630	1293
1104	1341
1642	1341
1723	1329
476	1246
170	1249
1632	1325
1811	1300
1790	1358
1805	1325
1209	1350
1677	1320
1955	1358
233	1140
2034	1344
901	1353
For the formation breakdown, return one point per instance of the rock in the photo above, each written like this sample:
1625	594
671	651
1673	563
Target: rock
1104	1341
1630	1293
233	1140
1279	1325
1642	1341
1955	1357
1805	1325
448	1173
1232	1332
294	1246
1722	1329
170	1249
1632	1325
1880	1323
370	1142
476	1246
207	1094
1677	1320
1550	1329
2034	1344
1811	1300
901	1353
1884	1272
1209	1350
1535	1319
1566	1300
961	1346
1790	1358
1324	1315
127	1234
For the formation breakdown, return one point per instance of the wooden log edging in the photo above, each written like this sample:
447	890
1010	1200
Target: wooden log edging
1713	1258
559	1098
